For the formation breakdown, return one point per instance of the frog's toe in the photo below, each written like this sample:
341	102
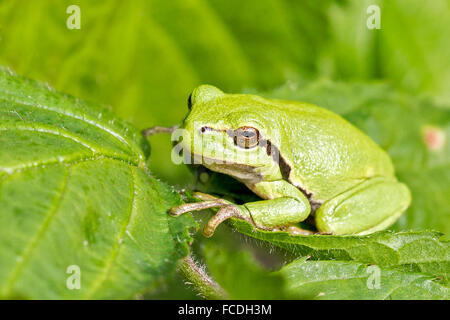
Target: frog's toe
197	206
229	211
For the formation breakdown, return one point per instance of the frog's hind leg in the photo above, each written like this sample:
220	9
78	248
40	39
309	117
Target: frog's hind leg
370	206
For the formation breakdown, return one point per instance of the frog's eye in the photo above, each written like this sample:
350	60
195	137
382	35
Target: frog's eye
203	94
246	137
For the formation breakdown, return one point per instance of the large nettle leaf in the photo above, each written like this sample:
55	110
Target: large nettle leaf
77	203
412	251
352	280
241	273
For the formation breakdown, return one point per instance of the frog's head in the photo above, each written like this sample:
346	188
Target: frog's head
232	133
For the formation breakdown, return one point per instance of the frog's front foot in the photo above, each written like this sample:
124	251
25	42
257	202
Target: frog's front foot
227	210
158	129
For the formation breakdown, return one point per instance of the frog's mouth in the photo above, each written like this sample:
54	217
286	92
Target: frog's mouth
242	172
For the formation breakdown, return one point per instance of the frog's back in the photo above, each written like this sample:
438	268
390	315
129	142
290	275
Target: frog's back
326	154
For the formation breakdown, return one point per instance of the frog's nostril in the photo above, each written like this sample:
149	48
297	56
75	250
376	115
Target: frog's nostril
206	128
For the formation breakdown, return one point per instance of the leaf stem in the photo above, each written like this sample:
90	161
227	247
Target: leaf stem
200	280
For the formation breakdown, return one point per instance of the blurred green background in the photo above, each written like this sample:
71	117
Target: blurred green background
143	57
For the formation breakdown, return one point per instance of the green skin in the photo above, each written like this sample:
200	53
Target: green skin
327	168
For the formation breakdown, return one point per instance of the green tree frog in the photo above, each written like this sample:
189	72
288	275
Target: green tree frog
302	160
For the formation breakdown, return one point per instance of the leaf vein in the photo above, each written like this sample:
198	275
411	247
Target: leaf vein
88	121
29	251
118	243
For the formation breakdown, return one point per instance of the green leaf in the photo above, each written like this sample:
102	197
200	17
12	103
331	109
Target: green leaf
327	272
75	191
238	269
414	251
409	48
352	280
145	56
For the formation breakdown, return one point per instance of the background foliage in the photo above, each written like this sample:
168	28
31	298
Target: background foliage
143	57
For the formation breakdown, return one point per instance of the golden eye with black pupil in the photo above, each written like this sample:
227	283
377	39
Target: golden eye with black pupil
246	137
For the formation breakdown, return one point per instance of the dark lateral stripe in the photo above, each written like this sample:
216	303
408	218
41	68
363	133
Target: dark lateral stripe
285	170
273	151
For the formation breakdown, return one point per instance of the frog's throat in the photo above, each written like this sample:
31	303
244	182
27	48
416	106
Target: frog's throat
241	172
